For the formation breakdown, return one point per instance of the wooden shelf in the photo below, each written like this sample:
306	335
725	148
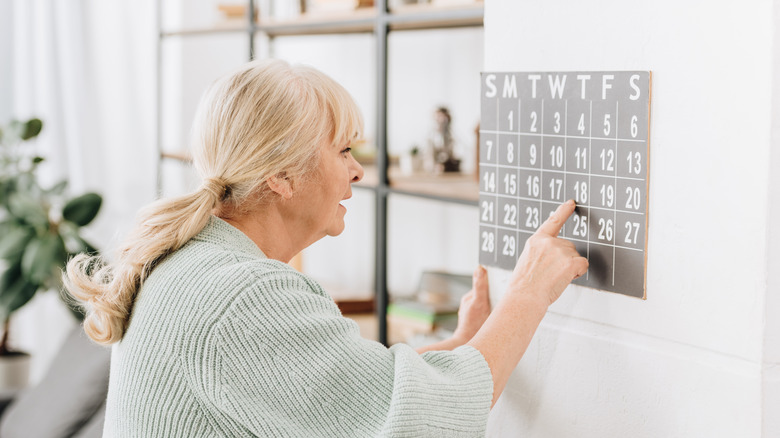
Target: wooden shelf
182	156
427	16
363	20
237	26
358	21
445	186
453	187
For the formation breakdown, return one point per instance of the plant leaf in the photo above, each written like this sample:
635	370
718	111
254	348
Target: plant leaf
11	274
44	259
83	209
15	290
13	242
31	129
16	296
28	209
58	189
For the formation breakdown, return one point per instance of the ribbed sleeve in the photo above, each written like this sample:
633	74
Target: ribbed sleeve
225	342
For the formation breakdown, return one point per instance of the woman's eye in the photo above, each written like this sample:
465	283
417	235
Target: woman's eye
346	151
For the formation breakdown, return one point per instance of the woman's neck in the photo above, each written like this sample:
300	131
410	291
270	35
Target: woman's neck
277	238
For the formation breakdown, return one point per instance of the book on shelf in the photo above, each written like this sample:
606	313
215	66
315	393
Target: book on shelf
433	308
423	313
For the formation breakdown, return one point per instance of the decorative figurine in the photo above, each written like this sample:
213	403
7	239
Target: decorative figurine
441	144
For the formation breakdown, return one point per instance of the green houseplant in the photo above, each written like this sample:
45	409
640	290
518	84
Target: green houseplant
39	228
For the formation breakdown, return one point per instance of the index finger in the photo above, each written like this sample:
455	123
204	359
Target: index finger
552	226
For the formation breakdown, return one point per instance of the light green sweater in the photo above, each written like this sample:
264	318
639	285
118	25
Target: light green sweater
224	342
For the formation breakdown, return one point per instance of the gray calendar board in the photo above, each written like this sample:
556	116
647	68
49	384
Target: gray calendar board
546	137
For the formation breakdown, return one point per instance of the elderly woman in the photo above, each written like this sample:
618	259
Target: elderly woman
215	335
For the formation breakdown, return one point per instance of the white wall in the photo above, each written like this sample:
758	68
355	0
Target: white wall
771	361
6	51
689	361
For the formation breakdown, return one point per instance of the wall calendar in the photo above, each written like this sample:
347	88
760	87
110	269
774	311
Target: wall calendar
546	137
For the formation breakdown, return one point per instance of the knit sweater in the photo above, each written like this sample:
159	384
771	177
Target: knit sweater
224	342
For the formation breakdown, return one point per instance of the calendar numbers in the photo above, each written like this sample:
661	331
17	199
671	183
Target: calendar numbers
631	196
509	245
632	229
581	192
602	157
551	136
532	185
603	222
507	208
577	156
581	158
487	211
488	241
607	160
553	187
510	184
634	162
510	214
532	217
555	156
528	151
507	181
607	193
489	181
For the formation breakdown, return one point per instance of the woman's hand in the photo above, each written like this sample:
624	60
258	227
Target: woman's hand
474	310
474	307
548	264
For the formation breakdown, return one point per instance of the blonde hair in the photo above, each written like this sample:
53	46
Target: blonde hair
266	119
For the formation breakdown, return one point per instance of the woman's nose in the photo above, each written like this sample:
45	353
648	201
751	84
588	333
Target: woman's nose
357	171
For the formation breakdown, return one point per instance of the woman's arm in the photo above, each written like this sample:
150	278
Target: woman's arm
546	266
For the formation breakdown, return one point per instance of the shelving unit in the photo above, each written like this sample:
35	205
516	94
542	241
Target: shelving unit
381	179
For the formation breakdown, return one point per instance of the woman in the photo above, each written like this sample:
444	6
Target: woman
220	337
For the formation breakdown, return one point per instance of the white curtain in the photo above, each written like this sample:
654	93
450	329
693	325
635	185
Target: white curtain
87	69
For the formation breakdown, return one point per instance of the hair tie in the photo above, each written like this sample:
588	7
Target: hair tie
217	187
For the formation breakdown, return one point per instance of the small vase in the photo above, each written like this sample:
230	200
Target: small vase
14	371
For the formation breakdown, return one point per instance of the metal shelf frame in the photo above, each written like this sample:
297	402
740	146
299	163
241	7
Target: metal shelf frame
380	23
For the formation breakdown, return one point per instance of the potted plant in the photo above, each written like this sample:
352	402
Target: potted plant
39	231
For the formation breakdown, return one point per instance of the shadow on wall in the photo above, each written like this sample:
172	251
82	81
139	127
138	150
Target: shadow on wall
551	397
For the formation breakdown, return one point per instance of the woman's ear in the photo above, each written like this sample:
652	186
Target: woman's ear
281	184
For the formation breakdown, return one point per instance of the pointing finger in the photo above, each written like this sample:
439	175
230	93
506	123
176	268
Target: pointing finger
552	226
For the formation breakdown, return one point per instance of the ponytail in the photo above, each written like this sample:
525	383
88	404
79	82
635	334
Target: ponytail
107	292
